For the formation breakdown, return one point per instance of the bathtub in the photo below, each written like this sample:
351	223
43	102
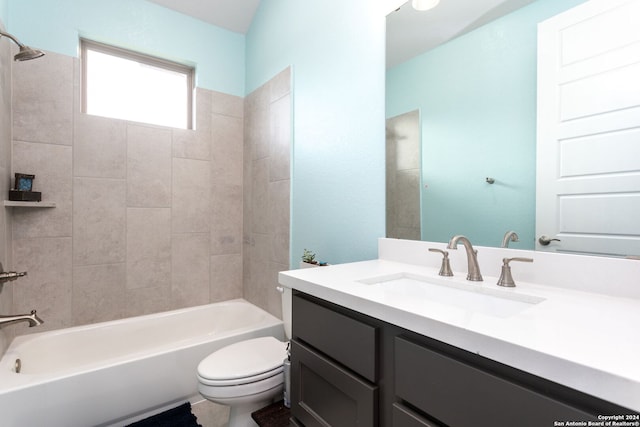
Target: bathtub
105	373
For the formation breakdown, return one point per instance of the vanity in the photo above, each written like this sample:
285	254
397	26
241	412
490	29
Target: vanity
388	342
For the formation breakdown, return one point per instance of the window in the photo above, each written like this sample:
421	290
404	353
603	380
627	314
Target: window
127	85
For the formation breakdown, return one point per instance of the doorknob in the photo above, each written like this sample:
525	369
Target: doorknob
545	240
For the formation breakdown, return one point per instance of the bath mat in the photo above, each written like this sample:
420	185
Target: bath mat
274	415
180	416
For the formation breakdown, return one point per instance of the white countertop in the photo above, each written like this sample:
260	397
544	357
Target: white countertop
586	341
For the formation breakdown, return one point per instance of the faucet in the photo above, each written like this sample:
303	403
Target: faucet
9	276
32	318
473	269
509	236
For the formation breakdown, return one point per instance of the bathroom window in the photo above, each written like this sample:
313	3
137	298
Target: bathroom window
127	85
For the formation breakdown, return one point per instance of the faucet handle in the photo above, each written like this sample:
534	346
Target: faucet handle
506	279
445	268
8	276
521	259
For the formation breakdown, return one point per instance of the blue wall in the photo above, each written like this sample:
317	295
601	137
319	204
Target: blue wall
336	49
477	98
3	12
139	25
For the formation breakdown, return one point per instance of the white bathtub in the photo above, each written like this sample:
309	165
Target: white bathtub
103	373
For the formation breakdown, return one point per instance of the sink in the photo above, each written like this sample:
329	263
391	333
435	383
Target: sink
470	297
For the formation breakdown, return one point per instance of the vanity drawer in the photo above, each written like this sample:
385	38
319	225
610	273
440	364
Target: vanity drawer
325	394
405	417
461	395
342	338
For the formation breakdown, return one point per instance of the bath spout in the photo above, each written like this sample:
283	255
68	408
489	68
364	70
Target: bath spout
32	318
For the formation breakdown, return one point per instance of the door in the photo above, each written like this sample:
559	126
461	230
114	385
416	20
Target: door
588	142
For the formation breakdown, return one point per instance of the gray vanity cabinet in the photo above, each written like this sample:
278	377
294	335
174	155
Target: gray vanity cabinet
333	368
459	394
352	370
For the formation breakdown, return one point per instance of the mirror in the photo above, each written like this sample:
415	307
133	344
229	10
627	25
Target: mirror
476	97
403	176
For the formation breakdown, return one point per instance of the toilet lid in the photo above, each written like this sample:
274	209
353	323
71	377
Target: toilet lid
244	359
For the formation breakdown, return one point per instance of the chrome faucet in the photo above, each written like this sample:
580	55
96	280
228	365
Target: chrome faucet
9	276
32	318
473	269
509	236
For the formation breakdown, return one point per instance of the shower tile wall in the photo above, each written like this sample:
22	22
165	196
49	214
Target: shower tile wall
266	195
6	294
147	218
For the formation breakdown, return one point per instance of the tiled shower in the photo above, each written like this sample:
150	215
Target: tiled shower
5	169
147	218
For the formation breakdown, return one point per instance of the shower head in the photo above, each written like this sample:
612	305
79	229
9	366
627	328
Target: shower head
26	53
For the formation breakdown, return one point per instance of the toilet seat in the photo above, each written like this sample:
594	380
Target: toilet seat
243	362
240	381
270	386
243	370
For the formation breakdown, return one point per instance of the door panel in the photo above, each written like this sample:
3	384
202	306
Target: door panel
588	150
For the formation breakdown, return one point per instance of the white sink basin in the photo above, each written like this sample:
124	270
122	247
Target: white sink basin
469	296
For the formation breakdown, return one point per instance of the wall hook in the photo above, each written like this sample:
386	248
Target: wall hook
490	180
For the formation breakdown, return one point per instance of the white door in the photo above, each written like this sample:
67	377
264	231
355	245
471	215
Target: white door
588	142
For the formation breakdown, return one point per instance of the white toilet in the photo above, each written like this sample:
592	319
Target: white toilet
247	375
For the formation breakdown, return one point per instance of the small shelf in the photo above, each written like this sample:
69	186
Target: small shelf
11	203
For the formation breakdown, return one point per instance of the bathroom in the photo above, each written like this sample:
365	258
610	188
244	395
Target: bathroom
201	254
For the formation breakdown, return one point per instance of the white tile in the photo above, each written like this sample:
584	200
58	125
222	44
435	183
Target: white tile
43	99
191	211
148	247
98	293
99	225
99	147
54	180
190	270
148	166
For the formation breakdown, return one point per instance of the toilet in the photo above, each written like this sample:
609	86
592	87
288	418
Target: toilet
247	375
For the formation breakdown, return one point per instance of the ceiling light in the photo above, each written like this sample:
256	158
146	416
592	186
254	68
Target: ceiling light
424	4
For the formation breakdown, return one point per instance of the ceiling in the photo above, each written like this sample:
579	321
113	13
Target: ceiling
233	15
409	32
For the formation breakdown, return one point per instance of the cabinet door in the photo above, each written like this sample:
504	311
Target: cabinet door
405	417
462	395
346	340
324	394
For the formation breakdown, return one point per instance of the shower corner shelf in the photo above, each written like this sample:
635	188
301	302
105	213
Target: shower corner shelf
11	203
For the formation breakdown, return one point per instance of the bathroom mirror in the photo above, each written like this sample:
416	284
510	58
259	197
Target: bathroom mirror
478	133
403	176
